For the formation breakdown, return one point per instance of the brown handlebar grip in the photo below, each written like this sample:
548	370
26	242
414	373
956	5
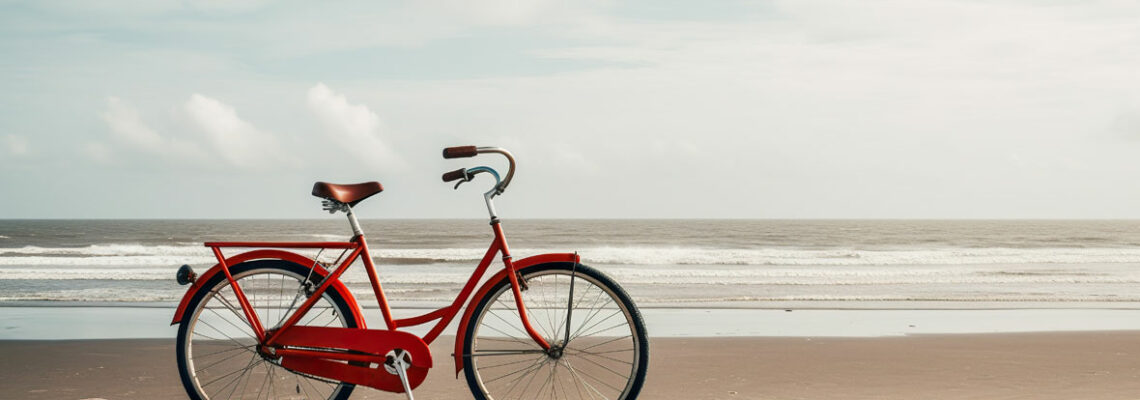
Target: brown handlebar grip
460	152
454	175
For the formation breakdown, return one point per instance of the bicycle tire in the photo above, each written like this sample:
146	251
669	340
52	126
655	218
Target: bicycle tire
247	275
599	352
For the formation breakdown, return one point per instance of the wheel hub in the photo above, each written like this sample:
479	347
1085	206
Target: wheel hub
556	351
267	353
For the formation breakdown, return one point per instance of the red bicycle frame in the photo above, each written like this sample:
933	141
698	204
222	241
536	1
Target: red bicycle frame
352	354
357	246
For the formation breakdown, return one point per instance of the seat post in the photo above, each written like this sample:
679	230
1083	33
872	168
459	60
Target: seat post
352	221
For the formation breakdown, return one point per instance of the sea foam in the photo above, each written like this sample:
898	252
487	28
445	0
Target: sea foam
135	254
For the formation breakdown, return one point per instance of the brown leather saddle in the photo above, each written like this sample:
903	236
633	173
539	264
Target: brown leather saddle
349	194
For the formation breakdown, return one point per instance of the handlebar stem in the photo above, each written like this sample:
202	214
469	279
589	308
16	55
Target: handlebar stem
495	189
490	204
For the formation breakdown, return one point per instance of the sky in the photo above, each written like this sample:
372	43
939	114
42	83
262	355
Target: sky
631	109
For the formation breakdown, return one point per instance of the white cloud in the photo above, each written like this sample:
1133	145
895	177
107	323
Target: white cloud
504	12
16	145
237	141
214	131
128	128
98	152
352	126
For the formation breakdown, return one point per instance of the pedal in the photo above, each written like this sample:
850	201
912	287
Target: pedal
397	363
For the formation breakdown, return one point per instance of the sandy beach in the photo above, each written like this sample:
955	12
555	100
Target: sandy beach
1084	365
832	310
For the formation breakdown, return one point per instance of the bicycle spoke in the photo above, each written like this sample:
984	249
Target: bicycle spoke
504	364
315	389
271	391
590	389
512	340
586	327
223	334
553	380
517	340
248	378
549	318
597	380
553	315
604	367
534	374
332	317
227	350
619	324
513	311
549	376
228	321
261	389
606	342
289	310
535	321
522	371
314	317
253	360
280	296
508	323
590	317
234	310
505	353
218	362
528	372
599	353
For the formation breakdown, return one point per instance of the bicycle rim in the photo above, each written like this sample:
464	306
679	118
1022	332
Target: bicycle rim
606	355
219	346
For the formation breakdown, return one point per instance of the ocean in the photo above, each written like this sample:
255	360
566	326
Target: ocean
662	263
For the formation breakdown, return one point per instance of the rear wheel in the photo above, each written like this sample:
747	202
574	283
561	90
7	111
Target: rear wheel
606	356
217	348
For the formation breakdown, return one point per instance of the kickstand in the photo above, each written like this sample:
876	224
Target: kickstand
398	361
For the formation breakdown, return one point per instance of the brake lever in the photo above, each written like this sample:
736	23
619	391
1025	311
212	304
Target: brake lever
471	172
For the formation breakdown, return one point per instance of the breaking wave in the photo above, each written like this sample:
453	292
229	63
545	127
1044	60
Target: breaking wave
138	255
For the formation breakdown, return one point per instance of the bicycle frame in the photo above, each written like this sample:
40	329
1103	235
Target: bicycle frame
357	246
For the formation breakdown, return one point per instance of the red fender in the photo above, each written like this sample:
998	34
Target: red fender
266	254
520	265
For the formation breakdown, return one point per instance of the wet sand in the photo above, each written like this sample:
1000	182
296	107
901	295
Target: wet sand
1084	365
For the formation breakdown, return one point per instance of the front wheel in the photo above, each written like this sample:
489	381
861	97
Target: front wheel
600	349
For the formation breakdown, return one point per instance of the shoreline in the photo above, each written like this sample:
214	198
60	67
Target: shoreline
1087	365
123	322
949	305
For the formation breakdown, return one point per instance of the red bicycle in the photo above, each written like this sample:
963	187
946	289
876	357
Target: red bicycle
274	323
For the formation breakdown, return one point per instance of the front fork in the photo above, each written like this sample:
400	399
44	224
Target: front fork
517	286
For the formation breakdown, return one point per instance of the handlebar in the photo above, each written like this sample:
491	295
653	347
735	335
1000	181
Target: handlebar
466	175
